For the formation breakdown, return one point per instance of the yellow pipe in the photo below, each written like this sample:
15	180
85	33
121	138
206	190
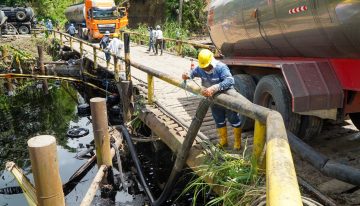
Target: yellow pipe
259	140
150	89
281	180
13	75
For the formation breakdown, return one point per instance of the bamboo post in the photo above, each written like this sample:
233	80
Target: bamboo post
116	68
150	89
45	168
42	68
61	39
127	56
126	97
71	43
101	133
95	57
81	49
95	185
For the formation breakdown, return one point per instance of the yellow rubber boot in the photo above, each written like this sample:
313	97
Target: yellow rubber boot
237	138
223	136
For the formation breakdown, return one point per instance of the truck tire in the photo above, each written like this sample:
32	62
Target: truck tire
355	118
23	29
311	126
272	92
20	15
245	85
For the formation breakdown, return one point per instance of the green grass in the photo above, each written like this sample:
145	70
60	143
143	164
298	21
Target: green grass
235	176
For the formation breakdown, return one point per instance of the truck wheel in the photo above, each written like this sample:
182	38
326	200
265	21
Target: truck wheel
20	15
23	30
245	85
272	92
355	118
311	126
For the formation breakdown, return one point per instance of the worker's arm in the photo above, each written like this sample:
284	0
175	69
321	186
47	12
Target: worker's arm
193	73
227	80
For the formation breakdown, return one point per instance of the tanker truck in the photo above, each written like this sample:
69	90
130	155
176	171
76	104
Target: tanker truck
18	18
301	58
94	17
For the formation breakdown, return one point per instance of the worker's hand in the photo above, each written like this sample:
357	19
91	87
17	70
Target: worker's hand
208	92
185	76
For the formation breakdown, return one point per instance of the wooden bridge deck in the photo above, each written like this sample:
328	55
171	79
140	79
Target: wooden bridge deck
181	103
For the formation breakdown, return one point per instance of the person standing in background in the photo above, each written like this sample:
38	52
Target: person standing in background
151	39
159	40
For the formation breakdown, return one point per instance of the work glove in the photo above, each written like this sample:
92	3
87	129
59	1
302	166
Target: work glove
208	92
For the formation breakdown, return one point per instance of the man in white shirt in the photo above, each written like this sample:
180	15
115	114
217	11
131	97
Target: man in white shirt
159	40
115	45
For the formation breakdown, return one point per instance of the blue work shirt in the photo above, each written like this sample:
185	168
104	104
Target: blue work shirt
49	26
220	74
71	29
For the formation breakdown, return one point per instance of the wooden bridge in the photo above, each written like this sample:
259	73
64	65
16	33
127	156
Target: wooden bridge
173	109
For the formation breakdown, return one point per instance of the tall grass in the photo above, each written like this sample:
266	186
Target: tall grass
236	178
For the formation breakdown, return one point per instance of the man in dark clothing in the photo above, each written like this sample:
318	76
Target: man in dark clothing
104	42
71	30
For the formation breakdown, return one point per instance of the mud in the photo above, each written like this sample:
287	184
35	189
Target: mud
340	142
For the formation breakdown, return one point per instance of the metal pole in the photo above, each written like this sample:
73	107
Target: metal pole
259	140
101	133
45	169
95	57
42	68
127	56
150	89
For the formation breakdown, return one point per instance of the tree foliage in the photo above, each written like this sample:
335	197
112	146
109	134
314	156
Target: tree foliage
194	16
45	9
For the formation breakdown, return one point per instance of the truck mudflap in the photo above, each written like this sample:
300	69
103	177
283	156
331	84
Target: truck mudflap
313	86
313	83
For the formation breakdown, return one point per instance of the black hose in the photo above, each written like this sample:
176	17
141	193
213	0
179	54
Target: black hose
322	163
137	163
181	156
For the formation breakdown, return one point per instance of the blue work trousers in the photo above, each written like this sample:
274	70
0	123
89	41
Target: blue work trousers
151	45
220	115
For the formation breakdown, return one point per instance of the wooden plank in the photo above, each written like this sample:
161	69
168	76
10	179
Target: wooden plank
335	186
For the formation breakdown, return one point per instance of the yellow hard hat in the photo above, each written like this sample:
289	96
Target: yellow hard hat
116	35
205	57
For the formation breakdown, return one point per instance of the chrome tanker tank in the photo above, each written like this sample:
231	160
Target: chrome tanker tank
76	13
286	28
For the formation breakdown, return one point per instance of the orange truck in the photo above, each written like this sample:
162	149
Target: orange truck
93	18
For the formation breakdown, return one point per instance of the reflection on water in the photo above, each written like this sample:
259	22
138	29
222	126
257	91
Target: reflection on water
30	113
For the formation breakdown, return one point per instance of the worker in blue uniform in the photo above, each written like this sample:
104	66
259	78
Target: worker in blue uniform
216	77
